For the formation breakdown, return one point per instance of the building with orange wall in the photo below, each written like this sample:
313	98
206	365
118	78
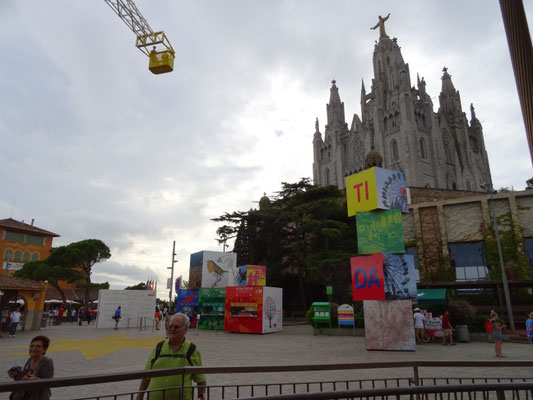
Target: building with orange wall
21	243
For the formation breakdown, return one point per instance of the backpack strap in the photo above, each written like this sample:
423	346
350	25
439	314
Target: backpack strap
190	352
157	352
188	356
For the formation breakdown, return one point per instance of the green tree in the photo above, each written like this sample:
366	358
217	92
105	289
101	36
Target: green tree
84	255
99	286
139	286
303	237
43	271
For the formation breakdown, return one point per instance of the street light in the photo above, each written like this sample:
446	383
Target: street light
491	192
172	273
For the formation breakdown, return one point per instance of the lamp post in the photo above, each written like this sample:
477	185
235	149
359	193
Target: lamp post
499	246
172	273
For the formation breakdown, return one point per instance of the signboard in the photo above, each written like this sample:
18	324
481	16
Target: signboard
345	315
134	304
380	232
12	266
433	324
329	290
187	297
376	188
367	277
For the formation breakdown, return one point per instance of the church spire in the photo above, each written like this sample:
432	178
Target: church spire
449	98
447	84
317	136
335	108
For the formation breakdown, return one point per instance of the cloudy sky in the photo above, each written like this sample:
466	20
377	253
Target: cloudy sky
96	146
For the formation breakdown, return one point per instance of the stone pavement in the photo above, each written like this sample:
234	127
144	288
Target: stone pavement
85	350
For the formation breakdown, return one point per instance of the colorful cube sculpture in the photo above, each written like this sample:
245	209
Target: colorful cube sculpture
211	269
377	188
251	275
380	232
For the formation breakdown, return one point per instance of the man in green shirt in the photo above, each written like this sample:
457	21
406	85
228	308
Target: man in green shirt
174	353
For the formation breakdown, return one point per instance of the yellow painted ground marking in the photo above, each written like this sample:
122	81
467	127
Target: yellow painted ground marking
93	348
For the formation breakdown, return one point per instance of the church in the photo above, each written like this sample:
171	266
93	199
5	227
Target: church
438	150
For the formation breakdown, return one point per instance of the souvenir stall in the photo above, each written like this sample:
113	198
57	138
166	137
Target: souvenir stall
211	305
253	309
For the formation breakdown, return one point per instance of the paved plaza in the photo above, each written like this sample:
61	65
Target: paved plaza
85	350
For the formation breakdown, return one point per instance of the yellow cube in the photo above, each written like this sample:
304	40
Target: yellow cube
376	188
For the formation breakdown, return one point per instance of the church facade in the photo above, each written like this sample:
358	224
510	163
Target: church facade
442	149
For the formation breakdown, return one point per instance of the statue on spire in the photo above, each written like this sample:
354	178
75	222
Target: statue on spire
381	25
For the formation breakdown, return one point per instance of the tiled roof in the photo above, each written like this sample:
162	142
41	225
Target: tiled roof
10	283
20	226
77	295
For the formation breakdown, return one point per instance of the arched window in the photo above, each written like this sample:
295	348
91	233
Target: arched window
454	186
326	176
18	256
423	152
395	152
8	255
26	257
468	185
35	257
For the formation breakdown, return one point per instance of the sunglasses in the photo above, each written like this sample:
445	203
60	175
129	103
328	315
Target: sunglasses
176	326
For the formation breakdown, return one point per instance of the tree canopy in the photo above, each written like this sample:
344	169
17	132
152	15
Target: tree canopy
139	286
85	254
303	237
50	270
72	263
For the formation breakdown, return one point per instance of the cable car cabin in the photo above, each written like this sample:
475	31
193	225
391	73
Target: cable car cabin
161	62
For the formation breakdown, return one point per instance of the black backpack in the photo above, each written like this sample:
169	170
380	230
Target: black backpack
159	346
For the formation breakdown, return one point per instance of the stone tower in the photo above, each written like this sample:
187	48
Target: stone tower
434	149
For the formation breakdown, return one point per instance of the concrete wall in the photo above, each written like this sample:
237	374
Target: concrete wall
434	224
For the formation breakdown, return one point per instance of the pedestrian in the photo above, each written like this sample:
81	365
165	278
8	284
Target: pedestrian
38	366
60	313
174	352
419	326
447	330
497	332
157	318
81	314
15	318
117	317
5	319
529	331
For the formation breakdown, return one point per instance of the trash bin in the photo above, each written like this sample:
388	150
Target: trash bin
462	333
322	315
43	322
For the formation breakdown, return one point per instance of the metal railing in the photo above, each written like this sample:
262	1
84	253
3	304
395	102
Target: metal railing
413	386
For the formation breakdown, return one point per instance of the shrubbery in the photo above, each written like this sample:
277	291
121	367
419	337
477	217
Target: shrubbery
462	313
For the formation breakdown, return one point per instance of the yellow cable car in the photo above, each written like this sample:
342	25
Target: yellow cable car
161	62
162	54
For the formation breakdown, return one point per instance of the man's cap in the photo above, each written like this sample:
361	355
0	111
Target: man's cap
417	309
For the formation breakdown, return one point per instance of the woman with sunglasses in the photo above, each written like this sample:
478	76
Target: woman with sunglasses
38	366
